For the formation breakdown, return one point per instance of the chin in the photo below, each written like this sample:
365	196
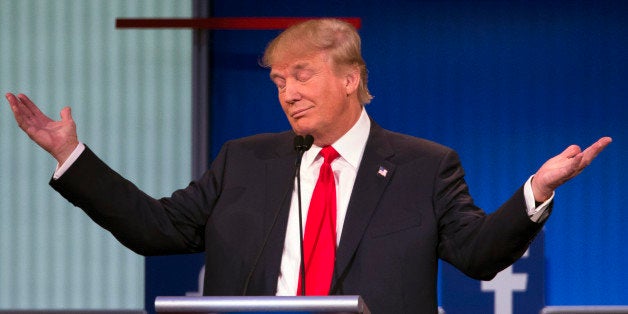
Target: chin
302	129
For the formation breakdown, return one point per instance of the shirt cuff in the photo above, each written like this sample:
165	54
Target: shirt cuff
536	213
60	170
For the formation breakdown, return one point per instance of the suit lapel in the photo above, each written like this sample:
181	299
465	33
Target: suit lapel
279	183
372	178
369	185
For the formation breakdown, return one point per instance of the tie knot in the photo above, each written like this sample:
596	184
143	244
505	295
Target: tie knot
329	153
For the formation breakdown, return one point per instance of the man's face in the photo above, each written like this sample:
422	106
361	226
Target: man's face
314	97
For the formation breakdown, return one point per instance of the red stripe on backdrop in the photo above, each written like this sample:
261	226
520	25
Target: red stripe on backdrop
222	23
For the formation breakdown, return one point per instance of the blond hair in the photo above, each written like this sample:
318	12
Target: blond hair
337	38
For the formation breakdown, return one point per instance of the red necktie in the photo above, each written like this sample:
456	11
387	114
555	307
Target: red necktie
319	241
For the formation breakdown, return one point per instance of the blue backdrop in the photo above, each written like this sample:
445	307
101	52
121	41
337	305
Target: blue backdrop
507	84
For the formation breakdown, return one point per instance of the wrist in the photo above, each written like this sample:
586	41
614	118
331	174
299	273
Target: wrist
540	195
64	153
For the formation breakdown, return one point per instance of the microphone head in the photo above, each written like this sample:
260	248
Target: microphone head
307	142
302	144
298	143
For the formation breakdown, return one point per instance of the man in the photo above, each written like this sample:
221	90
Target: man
400	202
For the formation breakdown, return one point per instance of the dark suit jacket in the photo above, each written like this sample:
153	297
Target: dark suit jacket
396	228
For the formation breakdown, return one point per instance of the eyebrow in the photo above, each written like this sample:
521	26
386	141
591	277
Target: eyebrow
296	67
301	66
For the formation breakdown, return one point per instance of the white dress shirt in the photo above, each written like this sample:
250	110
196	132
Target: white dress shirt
351	148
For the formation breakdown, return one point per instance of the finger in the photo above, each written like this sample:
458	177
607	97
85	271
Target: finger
16	108
603	142
13	101
29	105
595	149
21	110
9	97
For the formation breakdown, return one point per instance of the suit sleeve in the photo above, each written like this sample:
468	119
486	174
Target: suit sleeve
146	225
479	245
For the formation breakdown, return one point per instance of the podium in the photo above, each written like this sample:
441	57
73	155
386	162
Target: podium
592	309
345	304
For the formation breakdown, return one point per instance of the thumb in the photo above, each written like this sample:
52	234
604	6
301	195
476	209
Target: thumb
571	151
66	114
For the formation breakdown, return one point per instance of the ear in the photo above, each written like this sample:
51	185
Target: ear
352	79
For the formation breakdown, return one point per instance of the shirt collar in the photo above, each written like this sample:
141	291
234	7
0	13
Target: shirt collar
350	146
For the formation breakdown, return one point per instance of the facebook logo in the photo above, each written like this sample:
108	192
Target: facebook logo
518	289
504	285
201	283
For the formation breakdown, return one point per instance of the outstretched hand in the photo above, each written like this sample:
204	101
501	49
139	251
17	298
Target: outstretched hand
563	167
59	138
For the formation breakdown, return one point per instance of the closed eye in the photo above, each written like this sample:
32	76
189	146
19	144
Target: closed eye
279	82
304	75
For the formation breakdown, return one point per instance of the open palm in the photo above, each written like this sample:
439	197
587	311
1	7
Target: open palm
563	167
59	138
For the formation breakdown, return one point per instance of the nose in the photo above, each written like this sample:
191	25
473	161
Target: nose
292	93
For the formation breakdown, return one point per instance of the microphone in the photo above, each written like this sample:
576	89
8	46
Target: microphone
301	145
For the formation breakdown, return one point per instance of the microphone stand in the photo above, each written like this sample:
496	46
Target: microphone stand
301	144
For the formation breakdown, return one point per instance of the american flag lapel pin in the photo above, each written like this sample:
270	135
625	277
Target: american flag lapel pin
382	171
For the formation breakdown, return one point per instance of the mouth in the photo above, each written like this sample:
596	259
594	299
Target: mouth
300	112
